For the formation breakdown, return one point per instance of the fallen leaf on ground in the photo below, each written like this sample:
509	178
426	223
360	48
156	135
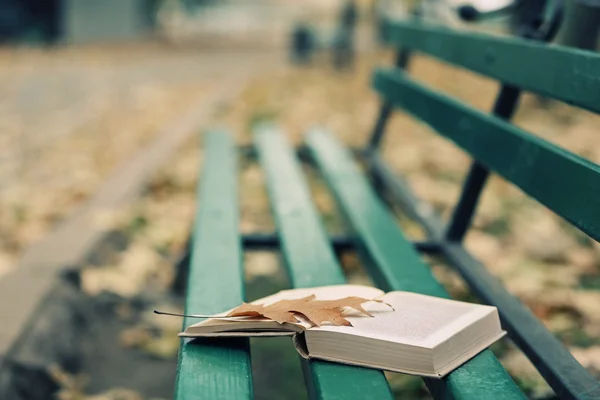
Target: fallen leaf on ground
588	357
315	311
134	337
164	346
139	266
263	263
520	366
71	387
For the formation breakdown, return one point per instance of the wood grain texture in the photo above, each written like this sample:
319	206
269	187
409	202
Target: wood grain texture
310	261
215	368
567	184
395	265
564	73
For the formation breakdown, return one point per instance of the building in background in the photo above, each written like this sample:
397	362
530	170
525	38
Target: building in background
87	21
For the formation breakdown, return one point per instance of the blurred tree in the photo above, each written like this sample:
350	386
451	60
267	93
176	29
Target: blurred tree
45	18
12	19
150	12
193	5
37	18
581	24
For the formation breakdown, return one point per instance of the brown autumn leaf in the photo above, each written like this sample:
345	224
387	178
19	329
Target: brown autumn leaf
315	311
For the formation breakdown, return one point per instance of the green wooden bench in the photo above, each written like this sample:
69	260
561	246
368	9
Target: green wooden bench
564	182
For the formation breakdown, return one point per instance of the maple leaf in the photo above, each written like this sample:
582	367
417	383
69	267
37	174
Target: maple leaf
315	311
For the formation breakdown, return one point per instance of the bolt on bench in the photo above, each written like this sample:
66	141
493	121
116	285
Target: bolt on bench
564	182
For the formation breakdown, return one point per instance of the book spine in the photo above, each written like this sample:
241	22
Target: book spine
299	340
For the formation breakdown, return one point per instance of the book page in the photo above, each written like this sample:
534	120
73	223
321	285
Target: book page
417	319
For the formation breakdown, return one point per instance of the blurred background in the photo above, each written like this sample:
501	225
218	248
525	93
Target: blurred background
101	103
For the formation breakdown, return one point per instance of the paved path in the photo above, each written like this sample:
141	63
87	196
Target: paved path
42	105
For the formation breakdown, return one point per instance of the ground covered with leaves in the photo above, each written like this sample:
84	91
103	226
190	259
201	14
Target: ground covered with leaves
69	117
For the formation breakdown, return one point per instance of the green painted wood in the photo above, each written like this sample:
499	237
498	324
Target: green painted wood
309	257
564	182
310	261
395	265
564	73
215	369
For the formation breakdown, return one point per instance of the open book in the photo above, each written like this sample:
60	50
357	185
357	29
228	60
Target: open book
422	335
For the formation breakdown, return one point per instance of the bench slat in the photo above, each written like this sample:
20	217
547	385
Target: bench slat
560	72
562	181
310	261
397	266
208	368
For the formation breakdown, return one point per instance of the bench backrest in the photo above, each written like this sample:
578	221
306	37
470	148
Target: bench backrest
566	183
563	181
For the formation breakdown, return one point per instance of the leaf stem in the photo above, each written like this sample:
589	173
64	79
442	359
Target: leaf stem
195	315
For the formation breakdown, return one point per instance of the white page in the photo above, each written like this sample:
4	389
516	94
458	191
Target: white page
417	320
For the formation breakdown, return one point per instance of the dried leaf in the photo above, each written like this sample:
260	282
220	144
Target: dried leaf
588	357
315	311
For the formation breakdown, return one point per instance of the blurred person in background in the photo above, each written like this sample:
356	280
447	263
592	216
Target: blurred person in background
303	43
343	42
